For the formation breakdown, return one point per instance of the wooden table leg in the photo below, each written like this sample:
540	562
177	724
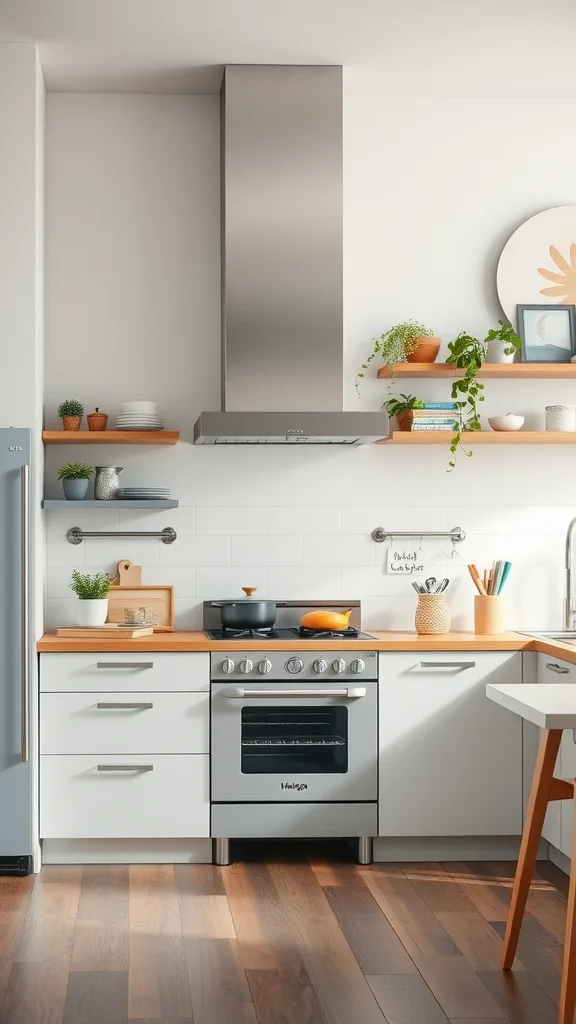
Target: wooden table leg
535	814
568	990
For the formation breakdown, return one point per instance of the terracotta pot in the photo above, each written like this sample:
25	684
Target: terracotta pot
71	422
97	420
405	419
427	351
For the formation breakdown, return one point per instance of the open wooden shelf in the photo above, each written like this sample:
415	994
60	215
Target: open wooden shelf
104	506
481	437
158	437
532	371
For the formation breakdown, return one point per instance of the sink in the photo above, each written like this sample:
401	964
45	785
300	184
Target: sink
565	636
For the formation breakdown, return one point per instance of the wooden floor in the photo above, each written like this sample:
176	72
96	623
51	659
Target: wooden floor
284	936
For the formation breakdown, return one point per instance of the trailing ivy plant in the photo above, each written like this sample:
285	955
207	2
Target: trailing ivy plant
395	345
506	333
468	354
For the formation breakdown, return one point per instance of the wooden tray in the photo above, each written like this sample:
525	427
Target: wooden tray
161	599
105	632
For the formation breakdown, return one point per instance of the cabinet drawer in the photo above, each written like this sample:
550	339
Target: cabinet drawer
113	723
96	672
166	797
553	670
421	667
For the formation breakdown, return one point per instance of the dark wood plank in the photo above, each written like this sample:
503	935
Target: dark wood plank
97	997
406	999
15	893
368	932
546	869
457	987
437	888
544	903
36	994
259	920
414	923
476	939
101	932
284	997
11	925
199	879
522	999
158	980
478	883
540	954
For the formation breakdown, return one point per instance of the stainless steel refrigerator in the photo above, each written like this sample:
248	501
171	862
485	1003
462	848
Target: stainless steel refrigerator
16	789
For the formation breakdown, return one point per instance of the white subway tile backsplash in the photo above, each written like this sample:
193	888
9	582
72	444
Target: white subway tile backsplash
60	612
59	521
181	519
108	551
187	613
291	583
182	578
358	519
236	520
369	581
195	551
60	552
266	551
214	582
339	550
310	520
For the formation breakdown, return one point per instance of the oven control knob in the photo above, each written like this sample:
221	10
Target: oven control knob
320	665
265	666
246	666
358	666
294	665
339	666
227	666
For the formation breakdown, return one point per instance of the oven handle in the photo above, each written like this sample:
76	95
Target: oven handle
235	692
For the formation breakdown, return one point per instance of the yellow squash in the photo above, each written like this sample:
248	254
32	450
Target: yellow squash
325	620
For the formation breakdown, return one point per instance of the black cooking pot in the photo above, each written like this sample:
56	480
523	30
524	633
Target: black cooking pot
246	612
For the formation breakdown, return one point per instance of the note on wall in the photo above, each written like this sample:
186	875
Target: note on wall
405	559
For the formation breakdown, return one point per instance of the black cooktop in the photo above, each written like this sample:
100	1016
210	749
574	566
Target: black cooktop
292	633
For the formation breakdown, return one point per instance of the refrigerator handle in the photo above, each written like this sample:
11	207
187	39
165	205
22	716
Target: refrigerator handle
25	609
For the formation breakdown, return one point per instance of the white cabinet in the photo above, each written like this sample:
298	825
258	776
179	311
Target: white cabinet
123	672
450	759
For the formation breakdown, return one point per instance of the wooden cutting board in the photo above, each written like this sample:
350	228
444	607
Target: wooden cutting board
104	632
128	575
160	599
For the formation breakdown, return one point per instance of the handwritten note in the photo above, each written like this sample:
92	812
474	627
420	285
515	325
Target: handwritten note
404	560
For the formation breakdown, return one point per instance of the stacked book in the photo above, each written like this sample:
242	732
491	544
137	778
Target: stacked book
437	416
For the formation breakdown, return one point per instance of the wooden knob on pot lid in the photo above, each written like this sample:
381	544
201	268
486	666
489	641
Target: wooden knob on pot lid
249	591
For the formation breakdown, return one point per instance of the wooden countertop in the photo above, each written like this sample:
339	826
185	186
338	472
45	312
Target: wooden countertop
385	641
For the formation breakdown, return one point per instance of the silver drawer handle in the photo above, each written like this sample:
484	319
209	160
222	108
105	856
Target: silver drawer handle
124	664
447	664
135	705
238	691
125	768
559	669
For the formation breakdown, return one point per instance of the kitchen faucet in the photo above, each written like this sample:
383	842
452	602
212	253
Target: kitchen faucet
569	609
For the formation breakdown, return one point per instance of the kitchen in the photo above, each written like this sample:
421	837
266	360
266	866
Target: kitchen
136	314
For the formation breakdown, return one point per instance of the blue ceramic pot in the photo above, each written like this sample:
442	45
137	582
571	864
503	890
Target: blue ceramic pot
75	490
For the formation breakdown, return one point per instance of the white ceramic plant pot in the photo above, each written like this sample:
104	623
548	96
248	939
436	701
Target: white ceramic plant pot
92	613
495	352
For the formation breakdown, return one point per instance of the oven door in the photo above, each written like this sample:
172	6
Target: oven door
277	741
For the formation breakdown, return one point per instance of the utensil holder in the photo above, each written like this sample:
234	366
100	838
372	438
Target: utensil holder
560	417
488	614
432	614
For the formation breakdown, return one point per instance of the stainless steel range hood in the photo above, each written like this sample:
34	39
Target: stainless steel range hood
282	324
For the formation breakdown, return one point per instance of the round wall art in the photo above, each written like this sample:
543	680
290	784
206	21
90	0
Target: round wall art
538	262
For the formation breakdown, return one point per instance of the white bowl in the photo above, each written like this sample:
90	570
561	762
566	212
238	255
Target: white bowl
507	422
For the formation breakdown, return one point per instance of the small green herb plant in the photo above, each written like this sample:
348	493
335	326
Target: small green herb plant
75	471
506	333
467	353
401	403
70	407
90	588
395	345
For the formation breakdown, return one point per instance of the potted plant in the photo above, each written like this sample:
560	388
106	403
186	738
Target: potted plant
71	412
401	407
75	477
466	353
92	594
502	343
409	341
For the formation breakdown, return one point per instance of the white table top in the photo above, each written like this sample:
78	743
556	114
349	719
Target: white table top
549	705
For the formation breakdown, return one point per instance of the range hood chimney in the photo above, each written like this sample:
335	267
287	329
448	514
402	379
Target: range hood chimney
282	329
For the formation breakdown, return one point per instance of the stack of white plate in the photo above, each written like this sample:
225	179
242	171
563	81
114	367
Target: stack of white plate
144	493
139	416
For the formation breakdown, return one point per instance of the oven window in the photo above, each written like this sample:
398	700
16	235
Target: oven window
281	740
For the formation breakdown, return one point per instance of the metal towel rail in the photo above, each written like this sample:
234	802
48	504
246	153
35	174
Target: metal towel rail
75	535
456	535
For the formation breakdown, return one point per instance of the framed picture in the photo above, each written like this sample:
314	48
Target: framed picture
548	333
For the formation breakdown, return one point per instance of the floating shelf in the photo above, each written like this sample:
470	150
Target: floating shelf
474	437
157	437
533	371
73	506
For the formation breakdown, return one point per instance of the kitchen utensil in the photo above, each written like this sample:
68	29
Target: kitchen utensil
160	599
442	585
417	587
560	417
476	578
325	620
505	575
110	630
432	614
247	612
507	422
488	614
106	483
127	575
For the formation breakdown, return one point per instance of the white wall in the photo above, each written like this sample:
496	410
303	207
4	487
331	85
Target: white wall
432	191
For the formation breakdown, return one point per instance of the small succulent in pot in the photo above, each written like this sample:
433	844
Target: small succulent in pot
401	407
75	477
71	412
409	341
92	594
